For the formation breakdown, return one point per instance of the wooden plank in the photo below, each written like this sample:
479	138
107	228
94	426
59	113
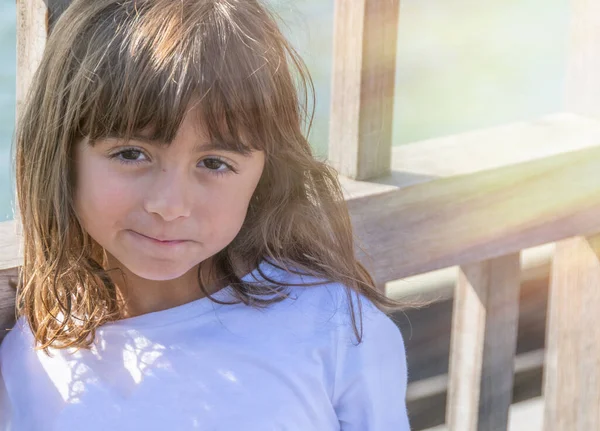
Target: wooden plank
11	250
572	373
487	149
583	66
453	221
440	284
524	416
362	102
7	300
483	344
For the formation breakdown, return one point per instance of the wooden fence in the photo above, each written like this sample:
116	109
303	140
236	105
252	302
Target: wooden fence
474	200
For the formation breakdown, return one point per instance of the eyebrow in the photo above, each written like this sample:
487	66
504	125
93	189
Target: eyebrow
214	145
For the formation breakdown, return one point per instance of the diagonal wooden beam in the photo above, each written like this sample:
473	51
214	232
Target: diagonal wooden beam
481	216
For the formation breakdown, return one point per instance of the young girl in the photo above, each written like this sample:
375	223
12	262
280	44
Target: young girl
188	264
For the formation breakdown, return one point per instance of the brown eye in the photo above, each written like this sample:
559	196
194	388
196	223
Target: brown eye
217	166
129	156
213	164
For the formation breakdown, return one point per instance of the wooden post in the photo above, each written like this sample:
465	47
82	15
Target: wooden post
32	31
35	18
483	345
583	69
362	102
572	369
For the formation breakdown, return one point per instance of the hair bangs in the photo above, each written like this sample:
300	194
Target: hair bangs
138	76
176	56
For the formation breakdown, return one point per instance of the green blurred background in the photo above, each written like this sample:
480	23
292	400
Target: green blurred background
462	65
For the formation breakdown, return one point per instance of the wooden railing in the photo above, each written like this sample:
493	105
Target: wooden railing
474	201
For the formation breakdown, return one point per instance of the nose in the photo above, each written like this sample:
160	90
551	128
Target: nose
168	195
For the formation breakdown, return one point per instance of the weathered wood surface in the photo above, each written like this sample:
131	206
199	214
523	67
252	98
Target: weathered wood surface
440	284
479	216
32	30
35	19
7	300
427	334
11	253
362	98
484	337
487	149
572	373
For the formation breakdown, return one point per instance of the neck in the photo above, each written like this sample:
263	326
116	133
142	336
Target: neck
139	296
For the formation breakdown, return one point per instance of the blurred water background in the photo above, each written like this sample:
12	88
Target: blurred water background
462	65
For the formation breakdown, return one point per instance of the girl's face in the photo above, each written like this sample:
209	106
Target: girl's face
160	211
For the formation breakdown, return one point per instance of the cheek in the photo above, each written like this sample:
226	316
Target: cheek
101	199
224	210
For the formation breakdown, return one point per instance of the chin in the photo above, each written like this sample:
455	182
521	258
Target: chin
159	272
158	276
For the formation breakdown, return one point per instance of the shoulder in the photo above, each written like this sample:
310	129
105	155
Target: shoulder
15	359
16	336
368	371
340	307
15	346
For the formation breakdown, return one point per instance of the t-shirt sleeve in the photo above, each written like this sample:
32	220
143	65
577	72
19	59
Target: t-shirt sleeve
371	377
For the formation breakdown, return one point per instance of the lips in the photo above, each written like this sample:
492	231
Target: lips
161	239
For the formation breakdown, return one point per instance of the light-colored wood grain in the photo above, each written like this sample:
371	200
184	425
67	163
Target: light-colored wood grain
524	416
583	66
483	344
480	150
7	301
469	218
11	252
362	102
32	30
439	285
572	372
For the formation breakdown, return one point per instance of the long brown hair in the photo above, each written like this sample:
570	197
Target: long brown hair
113	67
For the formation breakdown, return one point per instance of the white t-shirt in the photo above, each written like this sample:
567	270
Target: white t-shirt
293	366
